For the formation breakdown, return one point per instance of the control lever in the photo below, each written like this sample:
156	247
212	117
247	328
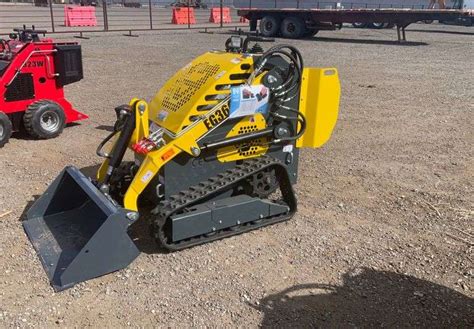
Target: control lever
237	44
27	35
252	38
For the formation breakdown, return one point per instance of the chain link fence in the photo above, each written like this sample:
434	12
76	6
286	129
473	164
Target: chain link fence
115	15
140	15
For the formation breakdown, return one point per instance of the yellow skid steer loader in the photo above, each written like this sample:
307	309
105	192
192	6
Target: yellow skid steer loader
214	154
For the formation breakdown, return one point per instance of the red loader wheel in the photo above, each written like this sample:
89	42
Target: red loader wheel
5	129
44	119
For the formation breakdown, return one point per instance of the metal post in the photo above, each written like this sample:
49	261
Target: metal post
151	16
105	15
51	14
298	4
189	7
222	13
250	4
275	3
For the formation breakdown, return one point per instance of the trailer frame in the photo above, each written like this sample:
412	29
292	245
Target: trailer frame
331	19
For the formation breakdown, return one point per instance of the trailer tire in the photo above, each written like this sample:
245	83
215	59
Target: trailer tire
44	119
377	26
270	26
5	129
359	25
293	27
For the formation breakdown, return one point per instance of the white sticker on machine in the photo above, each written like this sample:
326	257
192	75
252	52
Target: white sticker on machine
288	148
147	176
162	115
220	75
236	60
247	100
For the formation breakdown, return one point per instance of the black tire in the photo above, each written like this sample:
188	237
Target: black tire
5	129
377	26
270	26
44	119
292	28
359	25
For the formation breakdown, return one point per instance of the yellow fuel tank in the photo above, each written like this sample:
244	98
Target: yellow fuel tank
197	88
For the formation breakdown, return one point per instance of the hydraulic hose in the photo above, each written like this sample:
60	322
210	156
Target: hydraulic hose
121	145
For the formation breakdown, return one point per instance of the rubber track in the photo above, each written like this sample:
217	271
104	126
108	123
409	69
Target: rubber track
214	186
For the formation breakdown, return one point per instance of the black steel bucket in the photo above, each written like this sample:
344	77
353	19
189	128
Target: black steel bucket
78	233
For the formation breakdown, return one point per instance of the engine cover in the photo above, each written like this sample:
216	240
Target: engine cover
197	88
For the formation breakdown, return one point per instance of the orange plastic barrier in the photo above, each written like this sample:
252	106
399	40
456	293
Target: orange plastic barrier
79	16
216	15
180	16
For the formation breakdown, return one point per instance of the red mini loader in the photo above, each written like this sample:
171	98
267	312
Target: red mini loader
33	73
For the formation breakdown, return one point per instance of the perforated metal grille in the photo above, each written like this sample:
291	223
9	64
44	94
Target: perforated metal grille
249	148
188	84
21	88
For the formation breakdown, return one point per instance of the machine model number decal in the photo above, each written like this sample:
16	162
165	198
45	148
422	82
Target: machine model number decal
34	64
217	117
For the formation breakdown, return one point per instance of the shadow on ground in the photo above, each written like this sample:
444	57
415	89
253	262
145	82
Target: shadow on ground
369	298
442	32
105	127
317	38
369	41
22	134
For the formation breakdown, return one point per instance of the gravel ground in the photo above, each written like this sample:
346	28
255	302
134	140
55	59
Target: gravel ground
383	235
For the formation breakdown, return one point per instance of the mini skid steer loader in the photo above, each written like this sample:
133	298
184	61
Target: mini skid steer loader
214	154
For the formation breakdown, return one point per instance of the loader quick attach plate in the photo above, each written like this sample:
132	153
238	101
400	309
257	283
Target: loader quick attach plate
78	233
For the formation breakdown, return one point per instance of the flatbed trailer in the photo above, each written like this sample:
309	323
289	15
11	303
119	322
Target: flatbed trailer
299	23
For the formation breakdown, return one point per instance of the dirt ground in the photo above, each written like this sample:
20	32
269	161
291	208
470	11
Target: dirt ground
384	232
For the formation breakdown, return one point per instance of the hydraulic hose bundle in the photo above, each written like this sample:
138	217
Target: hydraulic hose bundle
288	89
